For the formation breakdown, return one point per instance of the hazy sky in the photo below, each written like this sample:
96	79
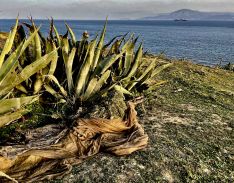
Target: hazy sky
99	9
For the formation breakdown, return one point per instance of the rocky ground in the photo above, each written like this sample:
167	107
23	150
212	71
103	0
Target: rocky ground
190	123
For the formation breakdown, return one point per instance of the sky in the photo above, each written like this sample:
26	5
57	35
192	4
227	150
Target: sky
99	9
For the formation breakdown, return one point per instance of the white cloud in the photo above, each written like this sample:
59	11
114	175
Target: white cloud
99	9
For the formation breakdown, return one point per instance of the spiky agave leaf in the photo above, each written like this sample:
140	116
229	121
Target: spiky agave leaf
11	61
49	46
99	47
10	105
82	49
160	69
50	90
149	79
73	37
12	109
57	36
68	66
35	51
21	36
142	76
128	42
136	62
115	48
145	78
27	72
155	71
51	36
104	48
90	88
37	46
128	56
10	117
85	69
95	85
106	63
21	88
37	84
53	63
156	85
37	41
54	79
9	43
65	44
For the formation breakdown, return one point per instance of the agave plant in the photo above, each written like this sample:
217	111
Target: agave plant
12	75
72	71
92	68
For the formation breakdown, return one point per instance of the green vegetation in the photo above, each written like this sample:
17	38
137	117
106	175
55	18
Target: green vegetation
64	72
189	119
11	76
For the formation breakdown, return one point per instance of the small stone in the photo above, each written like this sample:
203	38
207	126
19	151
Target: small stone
141	167
179	90
206	170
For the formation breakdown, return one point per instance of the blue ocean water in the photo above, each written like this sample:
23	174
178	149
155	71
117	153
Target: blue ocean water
204	42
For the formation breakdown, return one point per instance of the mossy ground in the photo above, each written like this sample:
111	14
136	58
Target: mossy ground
190	124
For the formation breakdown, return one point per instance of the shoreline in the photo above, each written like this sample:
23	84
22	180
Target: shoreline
3	37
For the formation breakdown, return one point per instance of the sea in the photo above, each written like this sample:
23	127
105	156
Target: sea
204	42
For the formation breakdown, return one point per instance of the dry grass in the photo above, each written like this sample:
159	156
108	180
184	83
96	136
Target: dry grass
190	125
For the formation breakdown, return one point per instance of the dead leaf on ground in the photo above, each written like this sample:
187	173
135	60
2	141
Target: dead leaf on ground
44	159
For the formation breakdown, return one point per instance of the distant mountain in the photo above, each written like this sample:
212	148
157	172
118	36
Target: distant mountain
186	14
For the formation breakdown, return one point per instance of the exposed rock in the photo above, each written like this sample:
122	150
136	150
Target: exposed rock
111	106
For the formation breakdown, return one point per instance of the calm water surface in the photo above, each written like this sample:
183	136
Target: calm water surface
205	42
